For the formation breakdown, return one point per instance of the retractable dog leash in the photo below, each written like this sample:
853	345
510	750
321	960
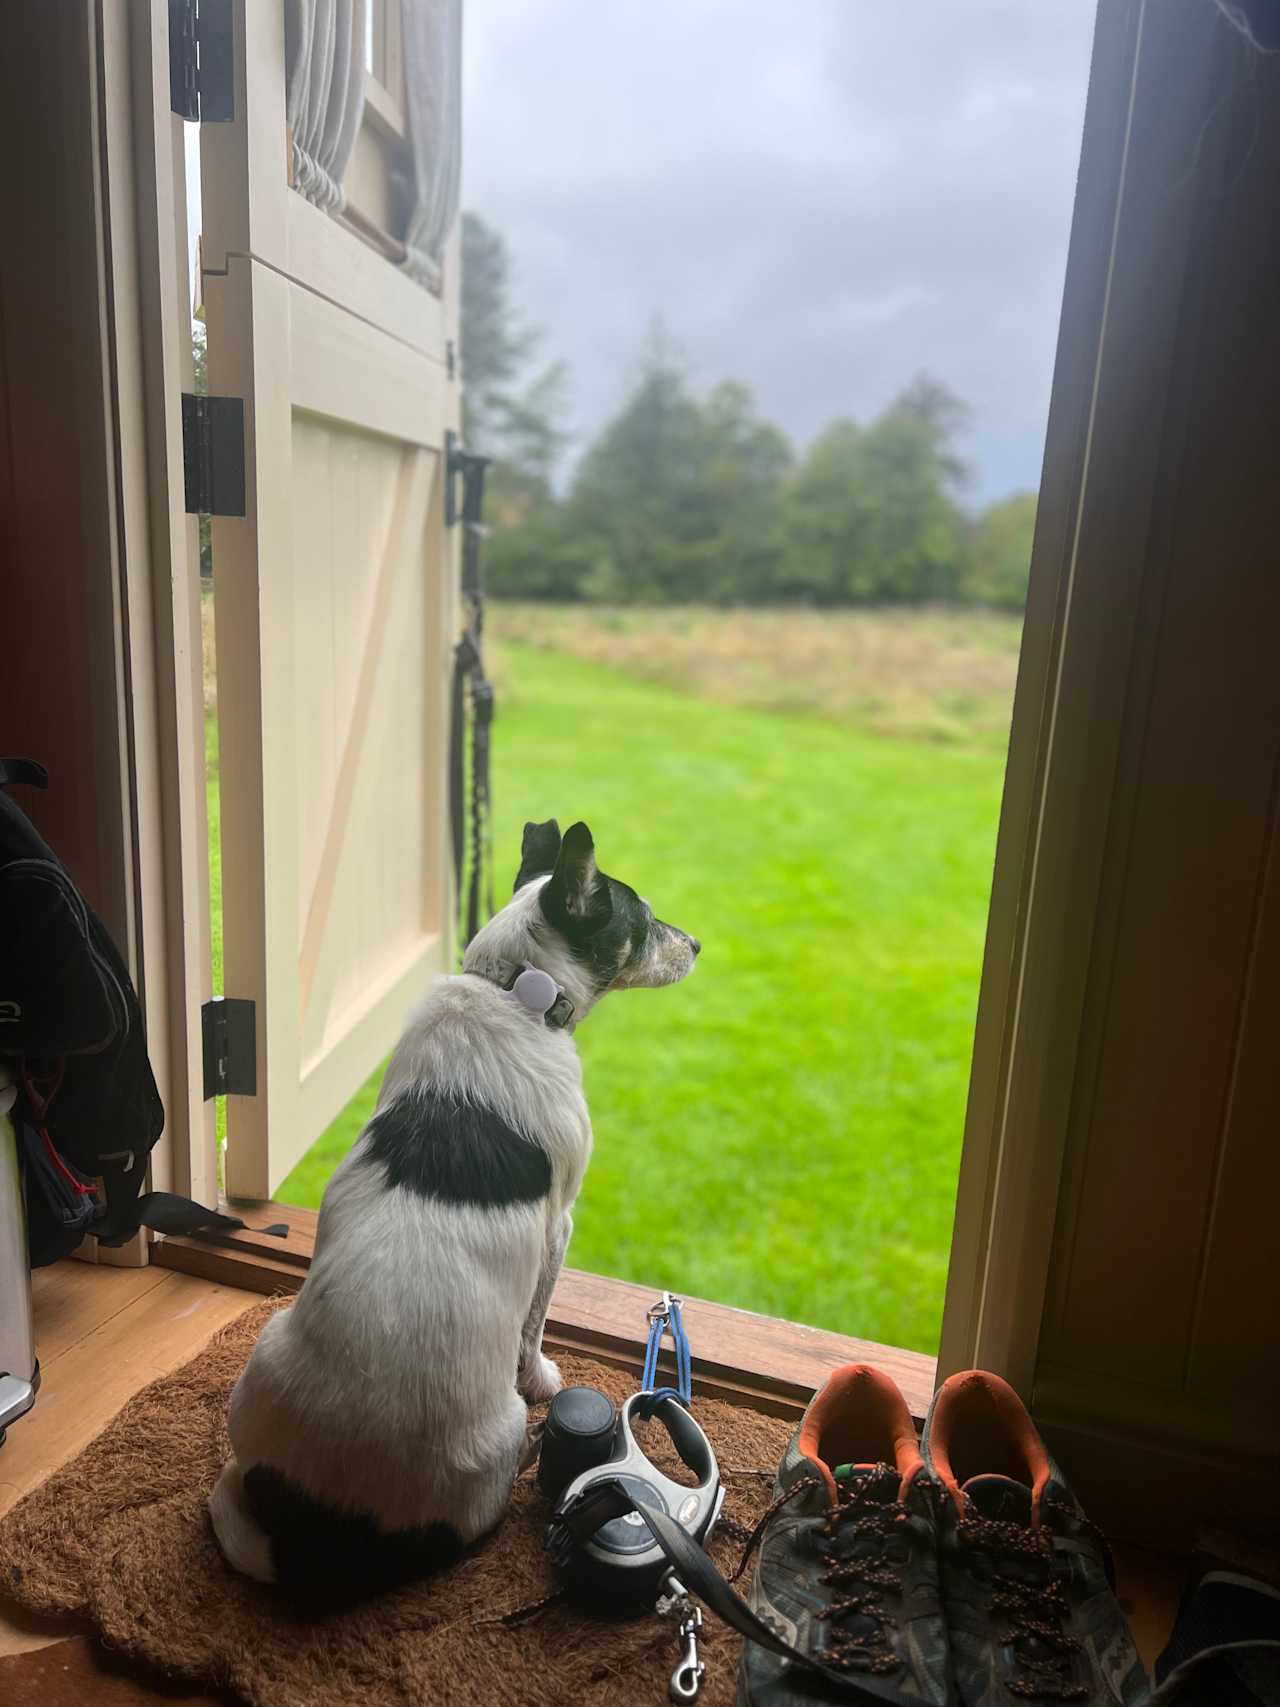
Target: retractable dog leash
626	1537
618	1560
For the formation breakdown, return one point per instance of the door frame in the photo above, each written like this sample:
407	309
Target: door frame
113	700
1131	272
149	304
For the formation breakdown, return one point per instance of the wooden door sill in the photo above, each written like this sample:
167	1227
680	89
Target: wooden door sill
759	1361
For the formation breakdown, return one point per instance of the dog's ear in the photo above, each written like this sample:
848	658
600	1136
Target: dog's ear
577	895
538	852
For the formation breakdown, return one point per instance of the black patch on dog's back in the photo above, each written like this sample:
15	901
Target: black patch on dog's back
315	1545
455	1152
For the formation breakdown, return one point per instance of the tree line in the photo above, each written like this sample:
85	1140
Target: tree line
687	498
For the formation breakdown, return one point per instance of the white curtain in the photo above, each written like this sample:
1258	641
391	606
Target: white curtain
324	45
432	35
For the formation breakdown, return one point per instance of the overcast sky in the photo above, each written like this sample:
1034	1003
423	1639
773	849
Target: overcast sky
817	196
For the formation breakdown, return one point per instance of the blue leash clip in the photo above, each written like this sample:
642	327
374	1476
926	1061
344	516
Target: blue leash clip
664	1315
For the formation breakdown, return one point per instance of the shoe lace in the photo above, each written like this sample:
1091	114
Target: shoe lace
868	1517
1035	1605
862	1513
766	1518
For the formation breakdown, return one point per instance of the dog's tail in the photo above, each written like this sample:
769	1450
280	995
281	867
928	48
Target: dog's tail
244	1544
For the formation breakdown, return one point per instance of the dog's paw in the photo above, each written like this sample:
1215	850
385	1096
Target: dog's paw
540	1382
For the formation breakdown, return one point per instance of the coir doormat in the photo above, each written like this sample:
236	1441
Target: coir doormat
121	1535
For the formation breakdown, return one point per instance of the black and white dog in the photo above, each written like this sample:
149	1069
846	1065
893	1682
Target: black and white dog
380	1422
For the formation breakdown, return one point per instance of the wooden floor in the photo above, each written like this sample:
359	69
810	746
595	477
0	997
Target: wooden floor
104	1333
101	1335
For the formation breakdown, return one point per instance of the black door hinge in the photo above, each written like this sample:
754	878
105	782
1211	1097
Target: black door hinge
213	454
201	81
229	1031
469	467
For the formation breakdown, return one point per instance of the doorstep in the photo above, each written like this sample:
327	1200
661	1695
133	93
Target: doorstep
760	1361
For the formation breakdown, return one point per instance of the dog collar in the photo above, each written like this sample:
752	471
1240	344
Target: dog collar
538	991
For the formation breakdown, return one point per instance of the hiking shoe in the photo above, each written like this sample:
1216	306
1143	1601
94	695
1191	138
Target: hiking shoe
1225	1645
1026	1578
847	1570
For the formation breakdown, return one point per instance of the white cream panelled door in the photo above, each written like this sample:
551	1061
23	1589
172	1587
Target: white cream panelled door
335	610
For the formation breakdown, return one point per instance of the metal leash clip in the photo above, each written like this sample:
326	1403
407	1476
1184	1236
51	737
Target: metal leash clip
686	1679
661	1311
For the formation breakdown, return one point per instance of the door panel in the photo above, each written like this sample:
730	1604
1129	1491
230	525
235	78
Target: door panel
335	613
1120	1167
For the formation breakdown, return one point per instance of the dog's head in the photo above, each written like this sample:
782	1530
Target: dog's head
591	932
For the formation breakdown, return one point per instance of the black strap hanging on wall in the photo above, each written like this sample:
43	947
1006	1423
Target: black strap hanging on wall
468	673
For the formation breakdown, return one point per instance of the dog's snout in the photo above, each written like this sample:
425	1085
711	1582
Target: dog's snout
695	945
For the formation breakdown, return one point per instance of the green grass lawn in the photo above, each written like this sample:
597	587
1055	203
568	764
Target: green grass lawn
782	1131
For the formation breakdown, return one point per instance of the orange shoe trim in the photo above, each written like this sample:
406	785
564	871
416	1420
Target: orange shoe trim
859	1417
979	1426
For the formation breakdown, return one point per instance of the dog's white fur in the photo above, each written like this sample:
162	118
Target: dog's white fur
388	1386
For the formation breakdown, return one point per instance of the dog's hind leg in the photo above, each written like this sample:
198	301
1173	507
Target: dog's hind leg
486	1493
244	1545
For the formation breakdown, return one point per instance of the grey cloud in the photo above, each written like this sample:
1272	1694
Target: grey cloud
819	196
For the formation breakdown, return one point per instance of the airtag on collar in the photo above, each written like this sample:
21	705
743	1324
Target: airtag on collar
536	989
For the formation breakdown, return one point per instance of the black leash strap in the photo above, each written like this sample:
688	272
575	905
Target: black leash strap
164	1212
606	1500
468	671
